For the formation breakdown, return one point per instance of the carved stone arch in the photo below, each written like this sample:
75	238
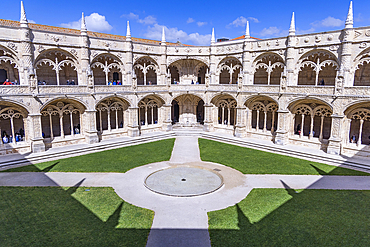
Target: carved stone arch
15	105
67	54
158	98
312	53
360	114
291	104
64	67
247	101
228	70
322	110
146	58
193	98
188	70
272	56
115	59
118	98
10	64
7	51
77	102
361	68
258	106
356	104
219	96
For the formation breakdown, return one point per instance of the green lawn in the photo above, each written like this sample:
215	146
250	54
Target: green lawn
279	217
116	160
54	216
251	161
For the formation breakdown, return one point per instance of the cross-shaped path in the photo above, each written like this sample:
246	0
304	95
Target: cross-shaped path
183	221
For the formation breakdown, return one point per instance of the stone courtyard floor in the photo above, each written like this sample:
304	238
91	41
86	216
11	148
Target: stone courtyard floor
183	221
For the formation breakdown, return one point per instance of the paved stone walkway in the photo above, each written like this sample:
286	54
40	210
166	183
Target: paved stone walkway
183	221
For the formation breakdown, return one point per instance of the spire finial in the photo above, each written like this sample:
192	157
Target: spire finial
213	39
23	14
247	33
163	42
128	32
83	23
349	21
292	26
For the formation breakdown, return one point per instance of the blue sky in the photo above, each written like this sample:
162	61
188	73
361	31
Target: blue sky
190	21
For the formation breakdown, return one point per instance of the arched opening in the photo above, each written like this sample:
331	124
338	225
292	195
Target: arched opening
107	70
229	70
188	71
263	115
56	67
362	74
175	76
62	118
268	69
12	123
149	111
311	119
8	68
146	71
318	68
111	115
359	125
225	110
188	110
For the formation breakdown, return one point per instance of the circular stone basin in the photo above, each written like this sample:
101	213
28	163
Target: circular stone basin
184	181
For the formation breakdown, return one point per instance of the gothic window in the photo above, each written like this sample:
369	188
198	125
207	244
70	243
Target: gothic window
146	71
229	70
111	115
268	69
56	67
107	69
317	68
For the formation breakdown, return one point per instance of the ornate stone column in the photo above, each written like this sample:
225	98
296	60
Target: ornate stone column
35	133
89	123
167	122
240	127
335	140
132	126
208	123
283	125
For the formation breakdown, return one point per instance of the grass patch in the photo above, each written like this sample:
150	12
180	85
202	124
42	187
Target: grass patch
277	217
54	216
251	161
115	160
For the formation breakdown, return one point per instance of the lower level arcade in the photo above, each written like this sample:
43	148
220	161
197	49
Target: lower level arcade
308	122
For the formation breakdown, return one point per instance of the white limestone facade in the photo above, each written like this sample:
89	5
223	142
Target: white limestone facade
310	90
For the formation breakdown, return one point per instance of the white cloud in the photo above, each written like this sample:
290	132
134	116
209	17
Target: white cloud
328	22
149	20
94	22
271	31
31	21
241	21
190	20
131	16
201	23
255	20
174	35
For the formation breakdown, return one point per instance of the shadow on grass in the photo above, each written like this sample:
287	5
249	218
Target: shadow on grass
50	216
308	218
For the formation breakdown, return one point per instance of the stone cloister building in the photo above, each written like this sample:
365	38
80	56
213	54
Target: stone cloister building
310	90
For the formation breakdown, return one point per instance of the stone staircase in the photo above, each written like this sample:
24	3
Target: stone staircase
15	160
